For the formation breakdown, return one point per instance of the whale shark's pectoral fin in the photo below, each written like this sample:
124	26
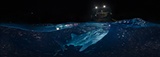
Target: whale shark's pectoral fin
84	47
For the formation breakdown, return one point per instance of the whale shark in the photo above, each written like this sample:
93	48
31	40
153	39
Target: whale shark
86	39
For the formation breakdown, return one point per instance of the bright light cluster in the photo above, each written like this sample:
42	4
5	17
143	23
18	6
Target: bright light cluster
104	6
96	7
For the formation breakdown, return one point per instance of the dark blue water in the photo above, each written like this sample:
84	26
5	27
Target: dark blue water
126	38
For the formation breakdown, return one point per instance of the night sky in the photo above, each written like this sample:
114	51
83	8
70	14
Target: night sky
59	11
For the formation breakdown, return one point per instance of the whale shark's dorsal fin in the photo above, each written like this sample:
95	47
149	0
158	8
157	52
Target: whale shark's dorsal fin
73	36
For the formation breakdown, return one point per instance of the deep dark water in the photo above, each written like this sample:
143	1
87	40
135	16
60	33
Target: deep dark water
126	38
